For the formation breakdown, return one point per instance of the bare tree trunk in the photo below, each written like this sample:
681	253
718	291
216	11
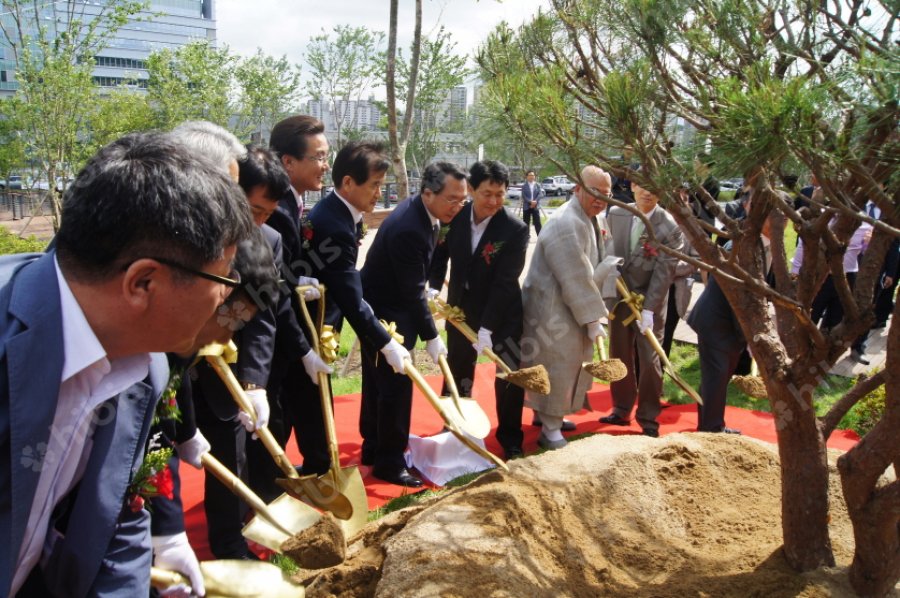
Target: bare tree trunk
874	511
399	139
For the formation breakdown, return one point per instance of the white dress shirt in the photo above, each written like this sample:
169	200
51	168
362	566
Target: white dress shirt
298	197
478	229
356	214
88	379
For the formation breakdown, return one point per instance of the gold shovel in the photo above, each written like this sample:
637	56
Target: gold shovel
274	522
533	378
346	480
436	402
467	413
606	369
234	579
632	299
307	488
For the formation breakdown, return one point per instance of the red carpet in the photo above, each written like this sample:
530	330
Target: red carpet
425	422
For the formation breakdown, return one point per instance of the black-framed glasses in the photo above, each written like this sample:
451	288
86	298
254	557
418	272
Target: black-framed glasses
232	281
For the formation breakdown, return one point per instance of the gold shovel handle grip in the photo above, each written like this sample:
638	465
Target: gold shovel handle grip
240	489
471	336
265	435
627	296
163	578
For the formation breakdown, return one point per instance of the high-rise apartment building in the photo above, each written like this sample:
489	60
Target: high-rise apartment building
165	24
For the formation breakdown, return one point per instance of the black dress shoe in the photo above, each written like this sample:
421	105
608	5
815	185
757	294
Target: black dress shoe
302	470
650	433
731	431
513	452
858	357
401	477
614	420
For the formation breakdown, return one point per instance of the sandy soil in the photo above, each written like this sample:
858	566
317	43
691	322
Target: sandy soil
685	515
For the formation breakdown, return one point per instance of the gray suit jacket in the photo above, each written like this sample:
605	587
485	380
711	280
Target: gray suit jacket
647	270
106	547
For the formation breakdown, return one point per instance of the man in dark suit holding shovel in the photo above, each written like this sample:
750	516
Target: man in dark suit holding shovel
486	248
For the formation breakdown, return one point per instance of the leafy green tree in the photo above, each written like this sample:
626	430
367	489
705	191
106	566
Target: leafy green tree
768	83
54	45
193	82
115	114
343	70
268	90
12	146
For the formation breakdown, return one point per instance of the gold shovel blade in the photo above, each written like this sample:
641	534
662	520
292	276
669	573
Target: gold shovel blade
467	415
318	492
246	579
290	513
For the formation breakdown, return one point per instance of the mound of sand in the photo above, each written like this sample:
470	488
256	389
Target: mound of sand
685	515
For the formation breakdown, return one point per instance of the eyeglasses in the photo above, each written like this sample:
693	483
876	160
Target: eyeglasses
320	158
233	280
460	203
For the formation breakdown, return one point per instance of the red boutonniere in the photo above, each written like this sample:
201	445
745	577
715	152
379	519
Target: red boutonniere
153	478
306	232
490	250
603	233
650	251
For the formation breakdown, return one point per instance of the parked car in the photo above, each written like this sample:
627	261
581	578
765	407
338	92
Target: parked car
557	185
732	184
514	192
14	182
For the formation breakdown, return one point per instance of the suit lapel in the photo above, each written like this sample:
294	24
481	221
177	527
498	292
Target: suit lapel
33	388
120	435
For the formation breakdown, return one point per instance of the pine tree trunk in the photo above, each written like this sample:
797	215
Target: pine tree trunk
804	482
874	511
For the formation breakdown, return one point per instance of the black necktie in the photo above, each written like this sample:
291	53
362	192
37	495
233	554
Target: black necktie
871	210
435	232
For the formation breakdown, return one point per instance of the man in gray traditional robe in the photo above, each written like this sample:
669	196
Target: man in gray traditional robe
563	302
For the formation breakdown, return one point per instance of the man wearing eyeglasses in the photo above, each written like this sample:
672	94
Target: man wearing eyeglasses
563	300
486	249
142	260
393	280
300	143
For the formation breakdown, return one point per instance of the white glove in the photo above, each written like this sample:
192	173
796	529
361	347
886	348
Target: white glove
309	294
432	294
435	348
174	553
595	330
484	341
646	322
260	404
396	354
313	364
191	450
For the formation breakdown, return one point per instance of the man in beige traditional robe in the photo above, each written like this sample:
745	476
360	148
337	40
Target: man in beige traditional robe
563	303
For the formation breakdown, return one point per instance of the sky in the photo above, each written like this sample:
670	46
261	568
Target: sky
284	28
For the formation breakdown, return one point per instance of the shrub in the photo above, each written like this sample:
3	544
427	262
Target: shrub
10	243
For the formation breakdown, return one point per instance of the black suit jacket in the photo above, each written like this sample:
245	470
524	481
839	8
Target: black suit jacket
396	269
713	319
493	299
334	247
290	340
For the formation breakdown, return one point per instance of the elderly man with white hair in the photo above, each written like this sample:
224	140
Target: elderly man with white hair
563	302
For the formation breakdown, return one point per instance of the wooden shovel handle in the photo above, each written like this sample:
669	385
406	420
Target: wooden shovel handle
264	434
601	349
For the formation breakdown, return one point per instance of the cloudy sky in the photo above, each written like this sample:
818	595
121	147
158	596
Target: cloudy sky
284	28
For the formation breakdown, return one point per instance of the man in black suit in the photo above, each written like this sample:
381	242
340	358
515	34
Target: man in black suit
335	233
393	280
300	143
720	342
532	192
486	248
